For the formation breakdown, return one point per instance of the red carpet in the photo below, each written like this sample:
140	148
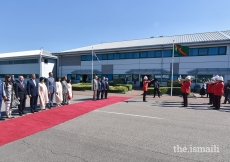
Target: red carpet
21	127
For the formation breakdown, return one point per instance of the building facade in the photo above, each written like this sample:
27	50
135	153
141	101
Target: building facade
25	63
130	61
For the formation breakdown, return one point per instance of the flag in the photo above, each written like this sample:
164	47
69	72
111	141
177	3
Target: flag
94	55
42	60
181	50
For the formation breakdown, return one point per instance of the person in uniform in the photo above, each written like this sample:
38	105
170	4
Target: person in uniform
214	91
226	92
219	91
145	87
210	90
185	88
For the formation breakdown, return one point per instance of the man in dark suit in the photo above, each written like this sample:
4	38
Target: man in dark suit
102	87
21	94
156	88
106	87
51	86
32	91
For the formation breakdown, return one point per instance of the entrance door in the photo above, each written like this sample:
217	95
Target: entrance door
142	79
84	78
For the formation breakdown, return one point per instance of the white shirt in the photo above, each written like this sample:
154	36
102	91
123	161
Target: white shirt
34	82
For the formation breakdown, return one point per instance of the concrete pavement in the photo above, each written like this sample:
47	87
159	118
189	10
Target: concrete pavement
157	130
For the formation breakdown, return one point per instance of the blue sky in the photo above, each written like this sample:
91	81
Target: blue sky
58	25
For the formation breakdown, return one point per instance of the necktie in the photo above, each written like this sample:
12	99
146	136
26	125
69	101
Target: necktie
22	84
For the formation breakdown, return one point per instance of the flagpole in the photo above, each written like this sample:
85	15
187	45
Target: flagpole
40	61
172	69
92	70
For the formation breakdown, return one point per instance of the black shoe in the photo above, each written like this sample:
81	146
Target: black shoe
35	110
2	119
20	114
32	111
144	101
24	112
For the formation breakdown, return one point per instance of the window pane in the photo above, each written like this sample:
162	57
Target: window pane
213	51
150	54
203	51
110	56
136	55
167	53
116	56
99	57
104	57
129	55
193	51
143	54
158	54
122	55
83	58
222	50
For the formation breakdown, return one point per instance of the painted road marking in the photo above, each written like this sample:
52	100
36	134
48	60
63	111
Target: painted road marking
108	112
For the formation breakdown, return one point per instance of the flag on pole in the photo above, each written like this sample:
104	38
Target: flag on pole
94	55
42	60
181	50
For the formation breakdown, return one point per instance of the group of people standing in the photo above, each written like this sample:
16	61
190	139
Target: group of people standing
45	90
100	88
215	90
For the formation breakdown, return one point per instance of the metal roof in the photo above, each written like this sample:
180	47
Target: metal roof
164	40
148	71
212	71
27	54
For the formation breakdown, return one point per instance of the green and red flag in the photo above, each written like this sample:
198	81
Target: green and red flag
181	50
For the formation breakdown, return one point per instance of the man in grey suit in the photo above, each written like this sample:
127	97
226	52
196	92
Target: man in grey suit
65	91
51	86
95	87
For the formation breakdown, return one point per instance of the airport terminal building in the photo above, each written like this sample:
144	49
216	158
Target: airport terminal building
129	61
25	63
133	59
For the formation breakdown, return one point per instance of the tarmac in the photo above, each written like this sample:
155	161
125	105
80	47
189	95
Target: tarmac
131	131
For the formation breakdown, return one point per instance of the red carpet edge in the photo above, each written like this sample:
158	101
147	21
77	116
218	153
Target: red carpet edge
15	129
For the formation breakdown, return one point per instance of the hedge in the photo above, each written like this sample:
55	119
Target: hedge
166	90
129	86
112	89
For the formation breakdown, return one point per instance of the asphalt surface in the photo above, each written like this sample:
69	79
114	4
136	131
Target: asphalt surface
132	131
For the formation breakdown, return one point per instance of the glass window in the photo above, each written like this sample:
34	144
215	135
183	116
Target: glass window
83	58
222	50
99	56
165	78
213	51
150	54
201	78
129	55
110	56
122	55
109	76
104	57
78	77
193	51
158	53
143	54
167	53
116	56
203	51
136	55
